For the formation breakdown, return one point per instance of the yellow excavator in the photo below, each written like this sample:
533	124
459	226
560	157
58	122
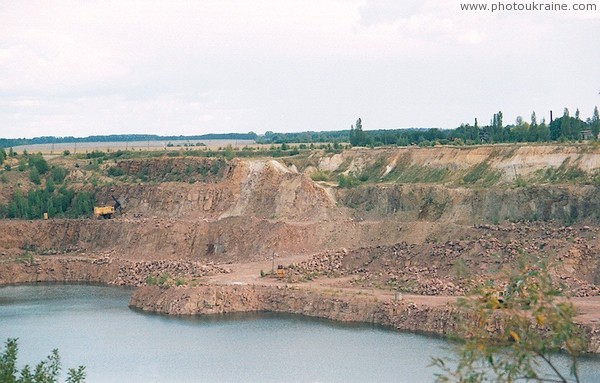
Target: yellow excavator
107	211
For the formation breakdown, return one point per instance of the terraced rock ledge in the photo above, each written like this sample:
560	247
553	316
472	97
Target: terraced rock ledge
438	316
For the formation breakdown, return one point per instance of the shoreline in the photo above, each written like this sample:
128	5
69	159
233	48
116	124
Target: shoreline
409	313
400	315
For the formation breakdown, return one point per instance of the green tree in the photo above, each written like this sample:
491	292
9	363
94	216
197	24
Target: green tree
576	131
50	186
565	125
499	126
2	155
46	371
22	165
533	128
520	131
58	174
595	123
543	132
38	161
357	135
496	129
34	176
514	333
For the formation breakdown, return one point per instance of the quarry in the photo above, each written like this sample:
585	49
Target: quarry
388	235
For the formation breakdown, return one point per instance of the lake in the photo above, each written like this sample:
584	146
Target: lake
92	326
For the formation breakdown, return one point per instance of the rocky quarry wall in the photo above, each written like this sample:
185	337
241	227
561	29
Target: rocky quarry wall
400	314
191	216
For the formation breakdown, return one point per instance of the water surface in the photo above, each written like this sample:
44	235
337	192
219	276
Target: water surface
92	325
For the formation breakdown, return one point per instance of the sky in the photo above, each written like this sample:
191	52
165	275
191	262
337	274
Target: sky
79	68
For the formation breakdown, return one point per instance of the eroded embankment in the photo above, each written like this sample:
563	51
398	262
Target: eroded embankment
400	314
219	299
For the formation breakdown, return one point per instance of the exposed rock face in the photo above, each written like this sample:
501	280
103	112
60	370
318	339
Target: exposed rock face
426	221
214	299
565	204
400	314
188	169
103	270
454	266
556	183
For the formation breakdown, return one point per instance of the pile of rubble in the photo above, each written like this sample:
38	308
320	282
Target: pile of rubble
453	267
141	272
328	263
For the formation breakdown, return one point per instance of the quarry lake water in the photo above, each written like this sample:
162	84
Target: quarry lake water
93	326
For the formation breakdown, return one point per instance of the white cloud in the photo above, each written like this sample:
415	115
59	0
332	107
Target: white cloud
176	67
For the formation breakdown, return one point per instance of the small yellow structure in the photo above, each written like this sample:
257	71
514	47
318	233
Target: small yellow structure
105	212
280	272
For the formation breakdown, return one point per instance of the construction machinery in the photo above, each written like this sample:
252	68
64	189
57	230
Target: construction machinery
107	211
280	271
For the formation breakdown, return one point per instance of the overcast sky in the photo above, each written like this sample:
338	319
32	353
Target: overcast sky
193	67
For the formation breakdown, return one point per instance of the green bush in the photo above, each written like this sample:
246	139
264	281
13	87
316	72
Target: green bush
163	278
59	174
47	371
348	181
319	175
114	171
38	162
216	166
534	320
50	186
95	154
34	176
92	166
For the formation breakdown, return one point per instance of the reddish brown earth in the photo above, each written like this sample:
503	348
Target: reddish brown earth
430	235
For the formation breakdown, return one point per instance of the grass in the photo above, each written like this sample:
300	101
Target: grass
348	181
320	175
151	280
418	174
164	278
374	171
565	173
481	174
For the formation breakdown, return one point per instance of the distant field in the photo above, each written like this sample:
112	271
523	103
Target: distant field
84	147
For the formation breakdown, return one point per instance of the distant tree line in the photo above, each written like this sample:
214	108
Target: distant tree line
303	137
10	142
564	128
